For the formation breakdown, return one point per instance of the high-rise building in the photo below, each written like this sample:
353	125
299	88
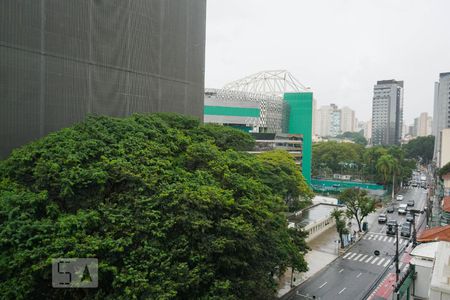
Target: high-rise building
441	115
422	125
332	121
348	120
63	60
387	112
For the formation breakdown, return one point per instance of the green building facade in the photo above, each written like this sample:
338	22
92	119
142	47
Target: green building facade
291	114
300	122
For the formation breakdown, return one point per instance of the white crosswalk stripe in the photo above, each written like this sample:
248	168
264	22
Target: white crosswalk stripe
357	256
366	258
353	254
385	239
362	258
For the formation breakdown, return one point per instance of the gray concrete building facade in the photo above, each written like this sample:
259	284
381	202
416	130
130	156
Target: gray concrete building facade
441	111
387	112
63	60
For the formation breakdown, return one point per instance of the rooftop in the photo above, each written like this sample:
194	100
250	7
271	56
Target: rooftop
446	204
441	233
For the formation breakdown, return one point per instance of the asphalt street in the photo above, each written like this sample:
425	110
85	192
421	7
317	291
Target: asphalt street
353	275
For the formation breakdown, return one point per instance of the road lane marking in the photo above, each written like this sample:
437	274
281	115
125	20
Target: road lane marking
358	275
385	238
391	240
370	237
323	285
386	263
341	270
347	254
380	262
373	261
363	258
353	254
357	256
370	257
341	291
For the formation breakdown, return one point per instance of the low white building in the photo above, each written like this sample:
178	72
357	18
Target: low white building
432	266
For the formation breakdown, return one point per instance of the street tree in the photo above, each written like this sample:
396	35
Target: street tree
168	208
358	204
339	218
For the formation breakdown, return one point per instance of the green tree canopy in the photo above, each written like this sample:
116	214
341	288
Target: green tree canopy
358	204
356	137
421	147
331	154
444	170
167	205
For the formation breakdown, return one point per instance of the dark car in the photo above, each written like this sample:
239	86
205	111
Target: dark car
409	218
410	202
390	227
390	209
405	229
382	218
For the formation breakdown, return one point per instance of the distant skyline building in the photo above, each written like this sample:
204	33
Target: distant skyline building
63	60
422	125
332	121
387	112
348	120
441	113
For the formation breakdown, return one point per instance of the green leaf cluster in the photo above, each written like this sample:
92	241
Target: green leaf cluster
169	207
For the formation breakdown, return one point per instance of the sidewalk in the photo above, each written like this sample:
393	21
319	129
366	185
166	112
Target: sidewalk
323	251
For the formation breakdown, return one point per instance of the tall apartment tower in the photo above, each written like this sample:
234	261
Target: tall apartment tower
422	125
441	113
328	120
63	60
387	112
348	120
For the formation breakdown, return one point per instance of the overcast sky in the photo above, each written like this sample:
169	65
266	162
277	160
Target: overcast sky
339	48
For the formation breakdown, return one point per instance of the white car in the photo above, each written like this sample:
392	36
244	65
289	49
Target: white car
399	197
402	209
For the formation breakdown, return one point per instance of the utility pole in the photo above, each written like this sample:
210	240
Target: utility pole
397	270
414	212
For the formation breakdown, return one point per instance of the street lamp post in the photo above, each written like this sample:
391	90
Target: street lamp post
397	269
414	212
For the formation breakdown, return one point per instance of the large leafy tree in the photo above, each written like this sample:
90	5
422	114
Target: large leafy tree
334	155
420	148
358	204
339	218
167	205
385	166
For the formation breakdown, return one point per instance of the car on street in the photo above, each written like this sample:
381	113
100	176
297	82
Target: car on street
409	217
405	230
402	208
382	218
399	197
390	227
390	209
410	203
